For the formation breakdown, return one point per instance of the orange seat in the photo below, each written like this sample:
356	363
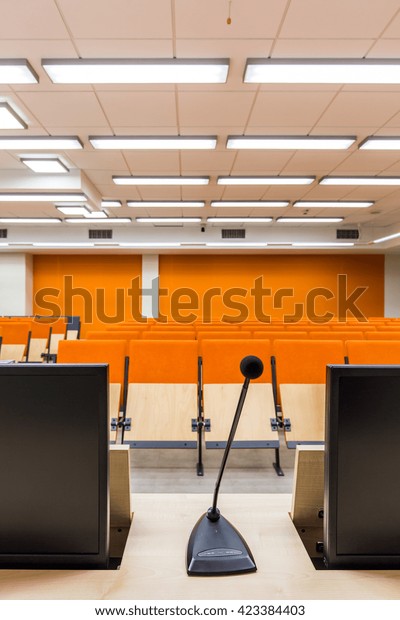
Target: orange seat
162	393
373	352
160	334
222	384
300	386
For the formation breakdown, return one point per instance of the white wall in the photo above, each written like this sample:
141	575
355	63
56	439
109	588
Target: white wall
392	285
16	284
150	285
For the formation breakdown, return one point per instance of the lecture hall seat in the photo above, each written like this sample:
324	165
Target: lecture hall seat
162	394
222	382
300	367
373	352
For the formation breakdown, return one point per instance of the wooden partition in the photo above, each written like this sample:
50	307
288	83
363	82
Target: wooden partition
300	386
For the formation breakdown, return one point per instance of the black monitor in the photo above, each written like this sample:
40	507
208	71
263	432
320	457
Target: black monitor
54	466
362	467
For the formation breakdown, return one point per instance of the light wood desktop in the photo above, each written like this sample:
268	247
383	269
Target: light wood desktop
153	566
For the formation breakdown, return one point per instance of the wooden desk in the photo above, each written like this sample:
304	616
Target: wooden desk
153	566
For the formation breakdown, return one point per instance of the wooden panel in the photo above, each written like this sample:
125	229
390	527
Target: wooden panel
54	340
37	346
12	352
220	402
308	486
161	411
304	405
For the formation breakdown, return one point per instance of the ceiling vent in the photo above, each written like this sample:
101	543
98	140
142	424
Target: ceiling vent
100	234
233	233
3	233
348	233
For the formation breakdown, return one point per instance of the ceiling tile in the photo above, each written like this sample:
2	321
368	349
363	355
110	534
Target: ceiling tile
207	19
291	109
347	19
153	163
91	19
260	162
210	108
98	160
139	109
350	109
321	48
25	20
68	109
125	48
219	162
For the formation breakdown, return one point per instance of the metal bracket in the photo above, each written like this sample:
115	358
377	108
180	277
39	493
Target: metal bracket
121	423
274	424
287	425
205	424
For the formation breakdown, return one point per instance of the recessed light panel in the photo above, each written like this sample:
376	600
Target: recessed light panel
46	165
327	204
17	71
137	71
249	203
153	142
9	119
290	142
265	180
360	181
10	143
161	180
166	203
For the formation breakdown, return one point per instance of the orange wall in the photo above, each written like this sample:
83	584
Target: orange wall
98	278
104	279
303	275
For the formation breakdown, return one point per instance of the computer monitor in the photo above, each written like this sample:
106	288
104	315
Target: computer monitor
362	467
54	466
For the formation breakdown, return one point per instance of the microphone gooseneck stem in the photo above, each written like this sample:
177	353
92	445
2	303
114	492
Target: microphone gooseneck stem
213	512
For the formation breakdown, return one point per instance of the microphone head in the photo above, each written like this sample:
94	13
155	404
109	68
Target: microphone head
251	367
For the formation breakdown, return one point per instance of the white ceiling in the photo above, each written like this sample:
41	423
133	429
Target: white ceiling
199	29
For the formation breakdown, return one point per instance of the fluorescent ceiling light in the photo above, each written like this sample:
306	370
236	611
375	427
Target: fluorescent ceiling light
153	142
239	220
161	180
309	220
52	244
290	142
30	220
321	244
150	245
10	143
249	203
137	71
265	180
17	71
351	204
387	238
75	210
384	143
41	197
98	220
110	203
45	165
97	215
168	220
360	181
9	119
236	244
322	71
166	203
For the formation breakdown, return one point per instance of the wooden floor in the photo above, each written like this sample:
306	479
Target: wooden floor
174	471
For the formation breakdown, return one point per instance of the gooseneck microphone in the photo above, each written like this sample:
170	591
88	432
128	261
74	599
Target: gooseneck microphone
215	547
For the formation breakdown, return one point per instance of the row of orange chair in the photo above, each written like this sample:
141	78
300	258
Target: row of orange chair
166	397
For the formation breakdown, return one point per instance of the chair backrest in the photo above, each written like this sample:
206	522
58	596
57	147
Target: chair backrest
16	332
338	335
373	352
280	335
221	360
103	335
305	361
163	361
169	334
95	352
384	335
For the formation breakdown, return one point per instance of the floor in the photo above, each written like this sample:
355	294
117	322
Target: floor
174	471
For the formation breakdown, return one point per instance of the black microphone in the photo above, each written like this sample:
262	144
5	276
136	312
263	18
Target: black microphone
215	547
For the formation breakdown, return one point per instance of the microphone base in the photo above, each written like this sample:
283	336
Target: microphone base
217	548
